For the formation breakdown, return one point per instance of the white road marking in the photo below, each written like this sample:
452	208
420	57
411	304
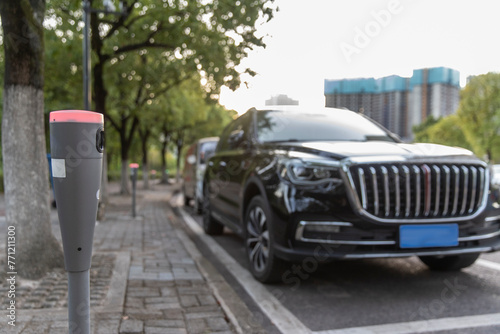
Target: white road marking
489	264
281	317
423	326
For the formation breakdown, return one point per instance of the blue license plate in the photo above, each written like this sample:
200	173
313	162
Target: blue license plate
424	236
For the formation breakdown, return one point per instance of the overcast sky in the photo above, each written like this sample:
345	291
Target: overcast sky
310	41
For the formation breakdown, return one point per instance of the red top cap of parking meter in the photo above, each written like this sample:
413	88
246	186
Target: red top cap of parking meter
76	116
134	165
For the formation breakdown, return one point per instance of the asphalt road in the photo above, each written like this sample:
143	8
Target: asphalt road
366	296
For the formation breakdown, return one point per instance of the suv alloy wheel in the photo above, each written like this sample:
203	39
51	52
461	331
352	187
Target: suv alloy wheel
264	265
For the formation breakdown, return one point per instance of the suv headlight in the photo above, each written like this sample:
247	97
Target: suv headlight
304	172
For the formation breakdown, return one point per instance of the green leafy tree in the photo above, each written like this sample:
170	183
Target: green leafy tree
479	114
63	60
446	131
420	131
206	37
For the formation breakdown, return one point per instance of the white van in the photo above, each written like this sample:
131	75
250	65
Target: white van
194	170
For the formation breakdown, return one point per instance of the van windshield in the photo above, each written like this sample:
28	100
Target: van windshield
207	149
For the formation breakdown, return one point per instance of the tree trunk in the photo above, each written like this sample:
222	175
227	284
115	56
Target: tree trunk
164	173
23	140
124	184
145	167
99	96
180	145
144	147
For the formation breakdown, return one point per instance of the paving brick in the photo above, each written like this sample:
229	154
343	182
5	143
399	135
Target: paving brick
195	326
189	301
131	327
143	292
207	300
158	300
217	324
165	323
161	330
173	314
108	326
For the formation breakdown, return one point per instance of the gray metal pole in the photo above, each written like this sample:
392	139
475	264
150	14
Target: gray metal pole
134	181
86	56
79	302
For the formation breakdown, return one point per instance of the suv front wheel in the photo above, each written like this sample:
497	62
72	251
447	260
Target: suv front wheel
259	241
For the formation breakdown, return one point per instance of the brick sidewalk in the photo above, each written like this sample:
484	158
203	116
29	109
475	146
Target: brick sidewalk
156	286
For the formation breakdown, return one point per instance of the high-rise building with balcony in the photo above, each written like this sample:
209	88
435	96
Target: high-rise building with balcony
396	102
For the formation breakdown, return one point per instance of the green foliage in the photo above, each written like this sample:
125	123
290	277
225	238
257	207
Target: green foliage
420	131
158	45
479	114
445	131
63	59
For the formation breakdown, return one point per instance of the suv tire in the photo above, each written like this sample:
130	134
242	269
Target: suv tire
259	241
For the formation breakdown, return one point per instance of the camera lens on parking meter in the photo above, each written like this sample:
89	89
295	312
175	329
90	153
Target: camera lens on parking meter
77	145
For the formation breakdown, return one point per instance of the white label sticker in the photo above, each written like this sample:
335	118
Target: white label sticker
58	168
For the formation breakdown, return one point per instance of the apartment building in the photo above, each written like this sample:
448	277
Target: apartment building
396	102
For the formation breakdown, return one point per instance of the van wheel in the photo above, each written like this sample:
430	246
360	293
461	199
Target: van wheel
449	263
259	243
186	198
198	205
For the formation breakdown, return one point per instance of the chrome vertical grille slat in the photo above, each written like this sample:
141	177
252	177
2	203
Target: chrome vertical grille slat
362	183
418	186
465	172
416	191
456	189
376	203
397	191
437	190
406	172
427	189
387	195
446	170
482	171
473	190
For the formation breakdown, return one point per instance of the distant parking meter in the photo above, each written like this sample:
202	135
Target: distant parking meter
77	144
133	175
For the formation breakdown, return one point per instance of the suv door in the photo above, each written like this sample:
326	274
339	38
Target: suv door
228	171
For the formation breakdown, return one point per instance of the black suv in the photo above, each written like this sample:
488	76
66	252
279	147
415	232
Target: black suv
330	183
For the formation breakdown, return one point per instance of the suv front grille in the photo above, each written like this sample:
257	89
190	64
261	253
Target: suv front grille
417	191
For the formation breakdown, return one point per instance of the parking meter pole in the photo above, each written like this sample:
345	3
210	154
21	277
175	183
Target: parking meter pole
133	171
77	144
79	302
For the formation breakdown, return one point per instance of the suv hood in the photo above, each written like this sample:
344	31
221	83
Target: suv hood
379	148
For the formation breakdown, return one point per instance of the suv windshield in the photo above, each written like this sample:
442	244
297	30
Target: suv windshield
323	125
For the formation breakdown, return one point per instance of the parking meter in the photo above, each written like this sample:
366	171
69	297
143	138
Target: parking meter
133	174
77	144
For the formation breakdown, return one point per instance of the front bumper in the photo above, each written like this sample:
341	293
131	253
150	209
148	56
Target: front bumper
324	240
